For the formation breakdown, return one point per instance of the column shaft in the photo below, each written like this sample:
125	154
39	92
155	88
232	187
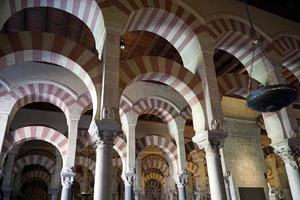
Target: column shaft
215	174
128	192
67	179
181	193
294	179
66	193
103	171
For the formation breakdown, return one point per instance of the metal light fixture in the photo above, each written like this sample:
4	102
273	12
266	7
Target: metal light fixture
270	98
122	44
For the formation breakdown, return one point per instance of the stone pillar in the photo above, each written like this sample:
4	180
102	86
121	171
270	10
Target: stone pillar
104	153
67	179
55	177
72	142
181	181
7	177
129	130
209	82
211	141
176	129
128	180
103	171
292	169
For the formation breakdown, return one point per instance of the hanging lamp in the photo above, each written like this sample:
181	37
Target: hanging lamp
268	98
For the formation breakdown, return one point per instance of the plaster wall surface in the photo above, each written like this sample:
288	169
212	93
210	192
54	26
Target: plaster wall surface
243	155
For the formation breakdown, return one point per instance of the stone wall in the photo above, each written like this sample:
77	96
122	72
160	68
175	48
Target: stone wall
243	156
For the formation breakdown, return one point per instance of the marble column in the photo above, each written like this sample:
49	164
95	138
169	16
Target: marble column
181	181
292	170
103	170
212	142
128	180
67	179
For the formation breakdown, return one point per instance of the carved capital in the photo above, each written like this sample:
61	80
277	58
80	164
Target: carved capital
104	131
67	177
129	178
284	151
181	179
211	140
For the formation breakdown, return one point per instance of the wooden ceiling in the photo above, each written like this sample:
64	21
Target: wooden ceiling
51	20
143	43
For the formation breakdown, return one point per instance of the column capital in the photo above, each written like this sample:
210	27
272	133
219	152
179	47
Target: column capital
104	131
181	178
129	178
67	177
210	139
284	151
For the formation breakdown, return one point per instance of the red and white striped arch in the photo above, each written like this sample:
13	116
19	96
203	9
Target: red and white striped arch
36	174
151	105
16	48
186	113
235	84
171	27
170	73
233	36
41	160
28	133
84	139
289	48
87	11
163	143
86	162
49	92
153	176
158	107
155	162
39	92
